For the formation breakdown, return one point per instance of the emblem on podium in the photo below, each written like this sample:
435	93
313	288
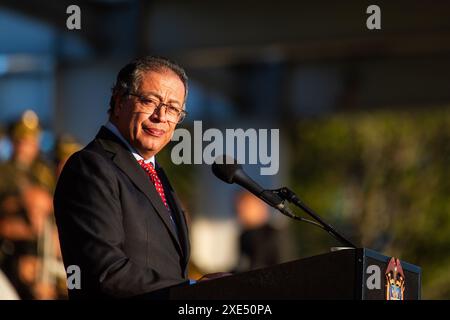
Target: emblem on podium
395	280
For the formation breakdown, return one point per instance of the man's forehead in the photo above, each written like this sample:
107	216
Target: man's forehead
162	82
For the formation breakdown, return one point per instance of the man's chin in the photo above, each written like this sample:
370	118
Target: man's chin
148	150
150	145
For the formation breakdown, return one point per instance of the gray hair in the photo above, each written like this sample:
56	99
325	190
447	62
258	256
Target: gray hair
130	76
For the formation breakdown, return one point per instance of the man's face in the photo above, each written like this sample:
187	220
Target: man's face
26	149
149	133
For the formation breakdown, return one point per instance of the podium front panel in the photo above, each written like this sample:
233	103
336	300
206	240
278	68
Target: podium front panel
345	274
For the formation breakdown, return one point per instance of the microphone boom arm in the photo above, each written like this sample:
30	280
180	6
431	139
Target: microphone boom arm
288	195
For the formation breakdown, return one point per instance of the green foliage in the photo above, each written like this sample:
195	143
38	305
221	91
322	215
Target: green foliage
382	178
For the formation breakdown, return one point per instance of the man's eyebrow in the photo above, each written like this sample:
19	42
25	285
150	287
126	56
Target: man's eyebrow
155	94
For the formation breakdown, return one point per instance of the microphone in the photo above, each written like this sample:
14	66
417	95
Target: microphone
228	170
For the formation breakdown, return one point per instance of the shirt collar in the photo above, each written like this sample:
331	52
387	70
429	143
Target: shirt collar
111	127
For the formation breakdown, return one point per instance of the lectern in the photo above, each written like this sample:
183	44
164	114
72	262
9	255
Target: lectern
344	274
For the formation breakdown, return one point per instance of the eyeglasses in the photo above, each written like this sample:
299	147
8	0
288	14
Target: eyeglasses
173	114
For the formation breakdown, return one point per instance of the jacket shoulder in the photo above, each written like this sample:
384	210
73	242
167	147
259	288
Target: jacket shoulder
92	156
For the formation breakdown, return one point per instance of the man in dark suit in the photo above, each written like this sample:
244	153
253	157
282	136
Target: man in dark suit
119	220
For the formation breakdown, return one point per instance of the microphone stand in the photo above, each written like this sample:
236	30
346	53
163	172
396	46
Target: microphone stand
288	195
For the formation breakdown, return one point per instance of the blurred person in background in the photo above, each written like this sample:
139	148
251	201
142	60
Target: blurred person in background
259	242
25	166
27	229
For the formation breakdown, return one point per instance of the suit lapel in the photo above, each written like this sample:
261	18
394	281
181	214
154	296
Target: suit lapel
178	211
128	164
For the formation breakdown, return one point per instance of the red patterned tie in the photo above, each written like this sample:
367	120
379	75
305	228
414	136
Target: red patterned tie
151	172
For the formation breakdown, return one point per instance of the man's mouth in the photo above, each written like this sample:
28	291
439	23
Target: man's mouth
154	132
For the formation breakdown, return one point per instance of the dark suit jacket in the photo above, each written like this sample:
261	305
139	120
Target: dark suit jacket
113	224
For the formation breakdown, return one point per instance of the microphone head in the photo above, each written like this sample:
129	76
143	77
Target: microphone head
225	168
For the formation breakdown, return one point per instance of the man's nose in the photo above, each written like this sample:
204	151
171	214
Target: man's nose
159	114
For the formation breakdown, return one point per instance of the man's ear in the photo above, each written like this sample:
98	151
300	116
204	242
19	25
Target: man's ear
117	105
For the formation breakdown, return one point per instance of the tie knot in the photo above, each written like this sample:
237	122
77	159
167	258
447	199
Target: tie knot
147	166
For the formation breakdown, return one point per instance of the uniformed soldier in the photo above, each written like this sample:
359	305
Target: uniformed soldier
25	167
26	187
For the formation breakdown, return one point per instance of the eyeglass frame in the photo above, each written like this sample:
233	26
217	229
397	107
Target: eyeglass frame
183	113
